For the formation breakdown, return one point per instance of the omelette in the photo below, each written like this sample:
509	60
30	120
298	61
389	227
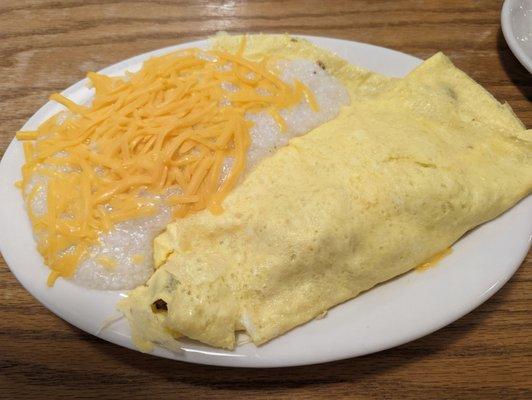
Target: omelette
408	167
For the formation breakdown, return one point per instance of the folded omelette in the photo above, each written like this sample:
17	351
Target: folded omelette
405	170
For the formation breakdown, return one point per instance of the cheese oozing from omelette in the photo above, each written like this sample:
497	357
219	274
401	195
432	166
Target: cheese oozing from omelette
397	177
121	257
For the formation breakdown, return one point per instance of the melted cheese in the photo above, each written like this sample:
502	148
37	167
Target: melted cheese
435	259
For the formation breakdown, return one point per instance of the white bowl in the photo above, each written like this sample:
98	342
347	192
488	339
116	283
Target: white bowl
516	21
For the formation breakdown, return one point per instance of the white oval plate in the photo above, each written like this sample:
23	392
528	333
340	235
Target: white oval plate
391	314
516	22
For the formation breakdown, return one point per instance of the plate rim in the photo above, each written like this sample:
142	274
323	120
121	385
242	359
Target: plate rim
509	36
250	361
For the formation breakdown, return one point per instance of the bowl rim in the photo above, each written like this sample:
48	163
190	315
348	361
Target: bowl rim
508	33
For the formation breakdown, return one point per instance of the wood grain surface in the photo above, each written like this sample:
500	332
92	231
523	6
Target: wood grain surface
46	46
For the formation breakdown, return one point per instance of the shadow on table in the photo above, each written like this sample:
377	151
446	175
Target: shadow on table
345	371
519	76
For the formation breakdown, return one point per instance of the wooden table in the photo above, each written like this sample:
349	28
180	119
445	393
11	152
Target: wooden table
48	45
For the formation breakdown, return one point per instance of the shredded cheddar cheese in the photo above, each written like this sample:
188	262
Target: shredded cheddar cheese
138	259
165	130
107	262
